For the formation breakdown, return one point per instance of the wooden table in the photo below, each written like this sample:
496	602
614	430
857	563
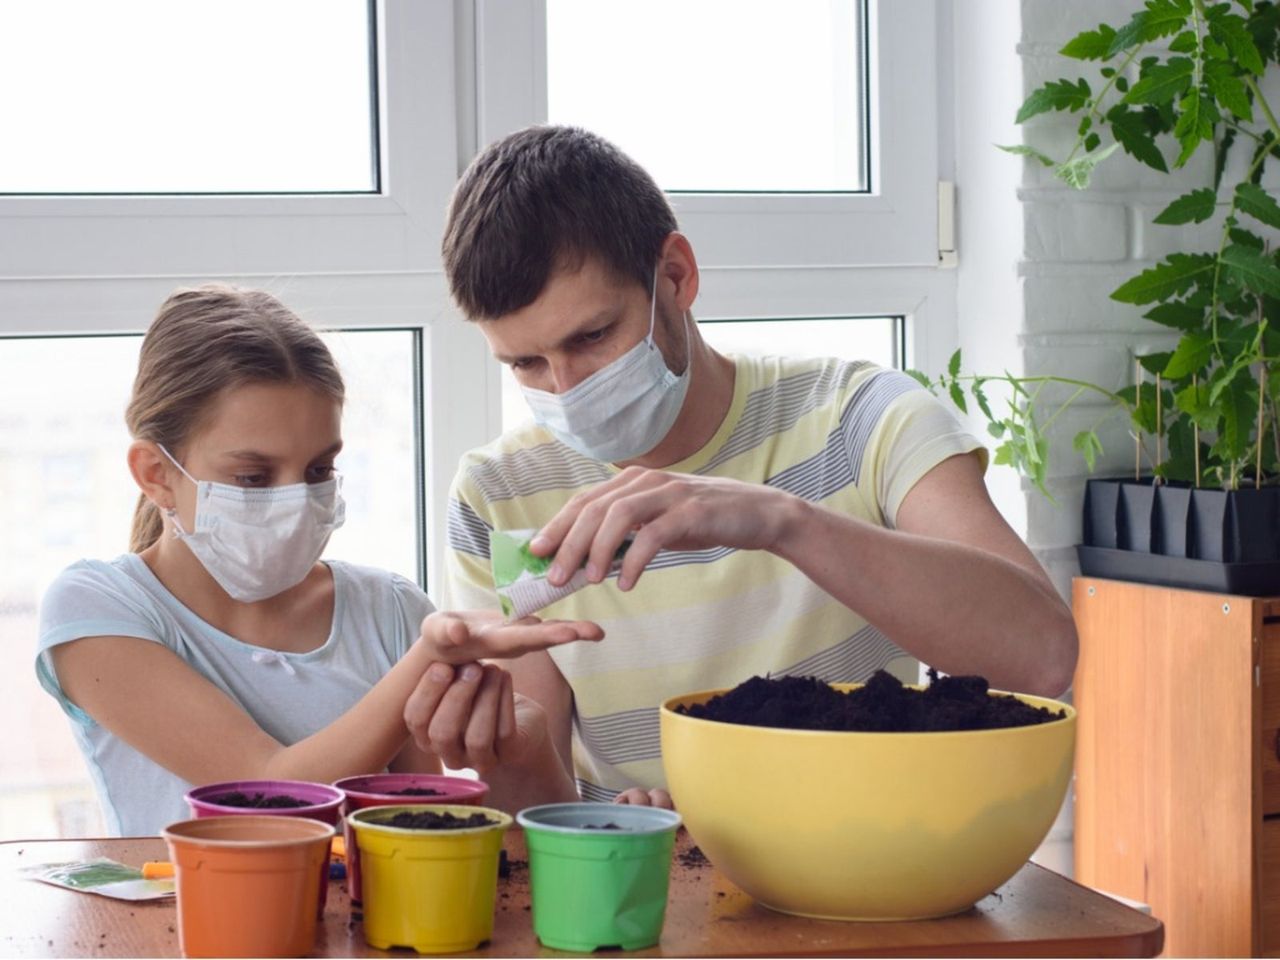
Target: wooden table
1037	913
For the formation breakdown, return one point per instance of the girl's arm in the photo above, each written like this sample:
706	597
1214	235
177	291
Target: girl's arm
157	703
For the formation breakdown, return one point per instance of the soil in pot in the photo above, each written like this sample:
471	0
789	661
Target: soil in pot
415	792
430	820
882	705
237	798
602	826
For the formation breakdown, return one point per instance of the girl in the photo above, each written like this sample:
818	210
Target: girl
221	647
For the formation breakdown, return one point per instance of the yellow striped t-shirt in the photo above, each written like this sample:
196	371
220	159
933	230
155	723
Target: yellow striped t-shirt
851	436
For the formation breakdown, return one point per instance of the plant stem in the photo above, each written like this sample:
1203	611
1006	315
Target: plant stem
1065	403
1262	102
1094	112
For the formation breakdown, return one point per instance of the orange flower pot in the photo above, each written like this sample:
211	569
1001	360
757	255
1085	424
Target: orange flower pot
246	884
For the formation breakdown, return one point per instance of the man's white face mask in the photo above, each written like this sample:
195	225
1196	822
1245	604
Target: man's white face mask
258	542
622	410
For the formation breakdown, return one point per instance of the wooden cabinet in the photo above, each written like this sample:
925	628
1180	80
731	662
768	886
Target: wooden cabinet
1178	760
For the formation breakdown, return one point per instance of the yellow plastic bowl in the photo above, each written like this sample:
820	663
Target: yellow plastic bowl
866	826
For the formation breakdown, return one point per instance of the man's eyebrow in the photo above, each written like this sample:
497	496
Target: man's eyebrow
602	318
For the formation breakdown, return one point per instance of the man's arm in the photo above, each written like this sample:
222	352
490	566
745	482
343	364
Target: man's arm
953	584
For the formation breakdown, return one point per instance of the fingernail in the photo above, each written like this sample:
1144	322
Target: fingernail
538	543
439	672
555	574
624	583
471	673
593	573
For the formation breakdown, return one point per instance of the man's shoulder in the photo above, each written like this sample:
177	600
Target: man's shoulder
521	461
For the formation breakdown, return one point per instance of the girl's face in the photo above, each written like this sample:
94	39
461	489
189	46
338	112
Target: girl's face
261	435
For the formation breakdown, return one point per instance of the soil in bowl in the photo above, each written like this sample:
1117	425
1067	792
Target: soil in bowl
882	705
237	798
430	820
603	826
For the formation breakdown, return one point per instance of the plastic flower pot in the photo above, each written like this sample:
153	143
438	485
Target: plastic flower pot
323	803
246	884
431	890
379	790
597	887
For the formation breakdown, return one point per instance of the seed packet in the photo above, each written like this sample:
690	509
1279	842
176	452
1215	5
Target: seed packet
520	576
102	876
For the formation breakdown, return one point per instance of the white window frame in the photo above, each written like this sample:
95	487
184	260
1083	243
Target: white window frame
894	225
83	265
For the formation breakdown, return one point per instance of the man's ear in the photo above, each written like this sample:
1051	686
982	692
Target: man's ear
153	473
679	266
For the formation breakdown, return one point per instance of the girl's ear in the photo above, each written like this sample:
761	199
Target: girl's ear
153	473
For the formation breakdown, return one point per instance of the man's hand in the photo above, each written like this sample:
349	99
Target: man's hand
469	717
645	798
464	637
666	511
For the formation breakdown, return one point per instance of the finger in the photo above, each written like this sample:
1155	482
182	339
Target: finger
585	629
577	539
648	541
421	706
548	539
506	718
624	515
660	798
482	727
634	797
513	640
448	725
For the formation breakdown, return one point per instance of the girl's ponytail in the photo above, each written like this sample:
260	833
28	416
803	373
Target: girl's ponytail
204	341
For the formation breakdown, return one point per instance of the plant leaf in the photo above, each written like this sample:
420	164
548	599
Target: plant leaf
921	379
1087	444
980	395
1193	352
1254	270
953	365
1234	34
1166	279
1194	207
1091	45
1220	77
1195	123
1131	131
1155	362
1163	82
1257	203
1176	314
957	397
1078	172
1021	149
1055	95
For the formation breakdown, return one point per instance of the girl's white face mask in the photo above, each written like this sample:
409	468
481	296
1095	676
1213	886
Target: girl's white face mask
622	410
257	542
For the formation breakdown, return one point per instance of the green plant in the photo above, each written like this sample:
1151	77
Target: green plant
1209	412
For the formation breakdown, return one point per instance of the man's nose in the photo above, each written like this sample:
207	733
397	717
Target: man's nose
566	375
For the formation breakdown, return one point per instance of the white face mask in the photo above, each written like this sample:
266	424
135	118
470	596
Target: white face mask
259	542
623	410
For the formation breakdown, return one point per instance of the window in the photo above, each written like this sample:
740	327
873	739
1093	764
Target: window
62	462
126	102
753	97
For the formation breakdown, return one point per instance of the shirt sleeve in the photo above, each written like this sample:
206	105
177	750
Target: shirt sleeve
468	576
902	432
86	601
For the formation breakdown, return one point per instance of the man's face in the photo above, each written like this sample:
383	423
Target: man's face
582	321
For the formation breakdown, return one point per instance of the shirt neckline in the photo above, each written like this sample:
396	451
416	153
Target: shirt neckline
140	571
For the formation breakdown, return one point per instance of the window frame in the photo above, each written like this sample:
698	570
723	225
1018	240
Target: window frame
895	224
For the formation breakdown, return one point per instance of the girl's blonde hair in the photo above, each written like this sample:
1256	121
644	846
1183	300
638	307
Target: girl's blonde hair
204	341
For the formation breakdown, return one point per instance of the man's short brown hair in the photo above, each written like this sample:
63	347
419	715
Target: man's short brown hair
544	199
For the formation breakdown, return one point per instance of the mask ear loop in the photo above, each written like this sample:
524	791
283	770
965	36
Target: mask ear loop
176	531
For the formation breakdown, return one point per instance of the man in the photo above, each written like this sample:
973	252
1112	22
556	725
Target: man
817	517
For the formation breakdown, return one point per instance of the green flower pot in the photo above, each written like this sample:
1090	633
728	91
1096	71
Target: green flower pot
595	887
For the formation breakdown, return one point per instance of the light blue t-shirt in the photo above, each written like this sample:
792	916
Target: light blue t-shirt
376	617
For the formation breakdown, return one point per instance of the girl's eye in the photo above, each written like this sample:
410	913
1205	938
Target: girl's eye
251	479
321	474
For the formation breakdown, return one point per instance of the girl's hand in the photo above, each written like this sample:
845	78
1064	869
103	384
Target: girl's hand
646	798
469	716
470	635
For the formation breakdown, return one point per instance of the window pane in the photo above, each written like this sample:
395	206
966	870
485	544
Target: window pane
858	338
202	96
717	95
68	495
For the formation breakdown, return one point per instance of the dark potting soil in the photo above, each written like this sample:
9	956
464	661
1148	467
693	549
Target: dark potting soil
603	826
430	820
415	792
883	705
259	800
694	857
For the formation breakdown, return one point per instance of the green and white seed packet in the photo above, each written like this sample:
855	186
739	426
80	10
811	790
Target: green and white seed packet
102	876
520	576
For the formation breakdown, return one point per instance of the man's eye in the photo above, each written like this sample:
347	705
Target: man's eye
595	336
524	363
